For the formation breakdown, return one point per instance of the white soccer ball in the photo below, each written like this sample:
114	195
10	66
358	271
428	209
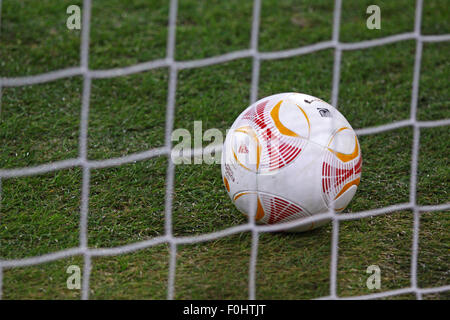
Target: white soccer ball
291	156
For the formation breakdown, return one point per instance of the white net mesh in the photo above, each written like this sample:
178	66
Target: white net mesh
174	66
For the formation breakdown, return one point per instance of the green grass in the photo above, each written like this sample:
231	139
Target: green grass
142	26
368	73
139	275
212	27
40	124
396	17
40	222
127	203
35	38
313	75
294	20
138	105
212	94
434	98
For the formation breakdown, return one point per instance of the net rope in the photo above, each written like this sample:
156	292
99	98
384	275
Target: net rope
174	66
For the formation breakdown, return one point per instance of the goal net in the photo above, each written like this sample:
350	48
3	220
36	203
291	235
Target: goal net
175	66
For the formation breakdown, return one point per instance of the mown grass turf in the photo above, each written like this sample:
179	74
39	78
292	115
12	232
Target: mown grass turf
127	203
294	20
127	32
35	38
137	103
40	124
368	73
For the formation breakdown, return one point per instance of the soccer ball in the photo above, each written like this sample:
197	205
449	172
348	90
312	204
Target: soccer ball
291	156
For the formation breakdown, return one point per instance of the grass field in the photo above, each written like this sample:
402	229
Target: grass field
40	124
